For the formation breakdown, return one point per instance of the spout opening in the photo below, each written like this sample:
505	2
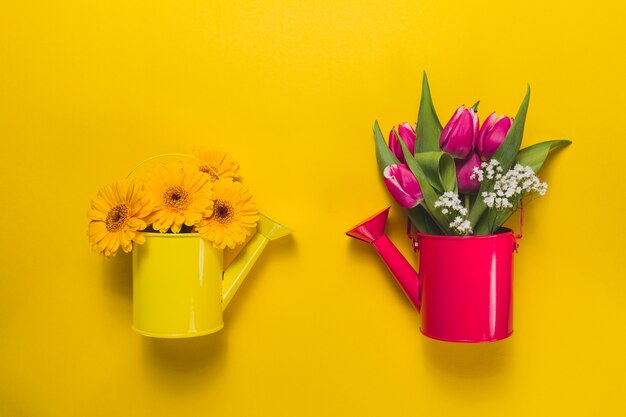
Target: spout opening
371	229
270	228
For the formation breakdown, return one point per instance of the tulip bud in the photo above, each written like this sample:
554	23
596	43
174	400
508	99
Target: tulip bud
403	185
407	133
458	137
464	168
492	135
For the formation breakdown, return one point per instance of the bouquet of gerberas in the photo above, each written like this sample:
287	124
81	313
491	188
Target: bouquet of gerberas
462	179
200	194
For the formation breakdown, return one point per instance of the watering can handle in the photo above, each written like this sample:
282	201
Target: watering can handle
171	155
403	271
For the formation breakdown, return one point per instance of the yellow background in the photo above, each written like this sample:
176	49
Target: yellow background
291	88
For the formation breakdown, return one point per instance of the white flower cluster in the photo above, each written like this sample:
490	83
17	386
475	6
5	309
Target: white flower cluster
451	206
489	170
509	188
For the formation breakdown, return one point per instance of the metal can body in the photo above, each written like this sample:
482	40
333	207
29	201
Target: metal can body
466	286
177	286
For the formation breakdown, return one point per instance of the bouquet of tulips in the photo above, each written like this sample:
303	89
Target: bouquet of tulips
462	179
200	194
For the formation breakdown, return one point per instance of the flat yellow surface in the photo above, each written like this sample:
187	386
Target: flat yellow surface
291	88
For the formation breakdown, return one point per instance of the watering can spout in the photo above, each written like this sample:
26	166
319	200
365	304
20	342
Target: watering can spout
267	230
372	231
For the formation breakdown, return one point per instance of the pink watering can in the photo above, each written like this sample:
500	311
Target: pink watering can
464	286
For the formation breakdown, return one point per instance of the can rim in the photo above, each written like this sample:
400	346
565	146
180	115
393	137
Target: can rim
501	233
171	235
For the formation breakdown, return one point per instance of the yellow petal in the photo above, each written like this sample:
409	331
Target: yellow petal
96	230
100	205
96	215
140	238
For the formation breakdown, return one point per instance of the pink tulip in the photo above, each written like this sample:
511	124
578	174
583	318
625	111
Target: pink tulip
458	137
492	134
403	185
407	133
464	168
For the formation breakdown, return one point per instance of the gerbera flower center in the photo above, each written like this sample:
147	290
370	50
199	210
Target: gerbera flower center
116	218
223	211
209	170
176	197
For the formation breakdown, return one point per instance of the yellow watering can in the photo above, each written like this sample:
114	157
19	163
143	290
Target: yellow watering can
179	286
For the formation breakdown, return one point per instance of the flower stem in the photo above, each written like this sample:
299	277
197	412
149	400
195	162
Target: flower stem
467	202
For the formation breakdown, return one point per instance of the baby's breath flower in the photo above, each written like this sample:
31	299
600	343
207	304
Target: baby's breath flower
489	170
452	208
462	226
477	174
509	188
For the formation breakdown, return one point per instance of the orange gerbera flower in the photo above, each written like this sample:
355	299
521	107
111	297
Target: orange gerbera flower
219	164
233	218
182	194
117	215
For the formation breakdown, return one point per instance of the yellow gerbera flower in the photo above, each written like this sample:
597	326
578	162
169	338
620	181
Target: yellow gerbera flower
233	218
219	164
117	214
181	193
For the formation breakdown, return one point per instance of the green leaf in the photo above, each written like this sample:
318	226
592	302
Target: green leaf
426	177
507	152
505	155
535	155
500	218
422	221
440	171
428	128
482	226
384	156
